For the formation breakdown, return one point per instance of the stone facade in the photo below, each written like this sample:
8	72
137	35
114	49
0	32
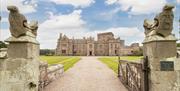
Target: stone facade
128	50
105	45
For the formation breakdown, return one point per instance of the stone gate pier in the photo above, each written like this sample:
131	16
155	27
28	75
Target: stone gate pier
160	48
164	66
19	70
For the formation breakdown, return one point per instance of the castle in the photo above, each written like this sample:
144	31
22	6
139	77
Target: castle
105	45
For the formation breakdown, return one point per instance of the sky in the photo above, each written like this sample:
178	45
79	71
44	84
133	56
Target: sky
84	18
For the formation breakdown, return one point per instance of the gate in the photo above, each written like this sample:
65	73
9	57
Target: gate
134	75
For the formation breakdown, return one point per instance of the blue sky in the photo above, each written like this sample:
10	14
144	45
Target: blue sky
83	18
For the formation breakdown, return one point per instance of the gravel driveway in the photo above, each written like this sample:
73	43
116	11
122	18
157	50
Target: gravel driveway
88	74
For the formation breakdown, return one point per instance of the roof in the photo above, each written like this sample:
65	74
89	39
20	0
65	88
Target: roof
106	33
79	41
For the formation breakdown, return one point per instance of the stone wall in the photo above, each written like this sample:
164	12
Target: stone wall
49	74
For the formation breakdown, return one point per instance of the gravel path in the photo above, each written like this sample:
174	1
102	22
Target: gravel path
88	74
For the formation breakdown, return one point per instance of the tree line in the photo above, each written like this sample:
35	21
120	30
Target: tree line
3	45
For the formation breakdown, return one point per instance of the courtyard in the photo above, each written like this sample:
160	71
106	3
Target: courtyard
69	61
88	74
84	73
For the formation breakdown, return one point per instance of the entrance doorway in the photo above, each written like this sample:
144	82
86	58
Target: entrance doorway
90	53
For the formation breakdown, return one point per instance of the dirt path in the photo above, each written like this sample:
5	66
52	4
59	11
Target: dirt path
88	74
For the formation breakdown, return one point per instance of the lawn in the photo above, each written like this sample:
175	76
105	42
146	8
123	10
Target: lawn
129	58
68	62
112	62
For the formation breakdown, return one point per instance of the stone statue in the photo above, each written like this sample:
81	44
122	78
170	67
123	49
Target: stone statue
33	26
148	26
162	24
18	23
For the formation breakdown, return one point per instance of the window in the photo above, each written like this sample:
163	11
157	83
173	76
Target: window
100	46
64	45
116	52
64	51
90	46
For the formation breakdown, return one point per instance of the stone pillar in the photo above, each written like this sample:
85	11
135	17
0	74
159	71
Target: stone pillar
164	66
20	71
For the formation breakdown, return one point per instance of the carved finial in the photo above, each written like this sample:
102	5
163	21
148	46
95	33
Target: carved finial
168	7
162	24
18	23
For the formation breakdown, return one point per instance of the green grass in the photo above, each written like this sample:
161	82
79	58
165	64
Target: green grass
112	62
129	58
68	62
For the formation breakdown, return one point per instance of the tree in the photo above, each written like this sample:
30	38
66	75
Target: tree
47	52
178	44
2	45
137	52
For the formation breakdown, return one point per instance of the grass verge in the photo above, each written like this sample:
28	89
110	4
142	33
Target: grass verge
129	58
68	62
112	62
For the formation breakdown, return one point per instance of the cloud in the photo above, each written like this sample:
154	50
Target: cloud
109	2
178	1
4	34
109	15
69	21
70	24
4	19
137	7
23	5
73	25
75	3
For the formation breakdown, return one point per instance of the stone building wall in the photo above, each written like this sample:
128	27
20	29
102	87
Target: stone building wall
105	45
